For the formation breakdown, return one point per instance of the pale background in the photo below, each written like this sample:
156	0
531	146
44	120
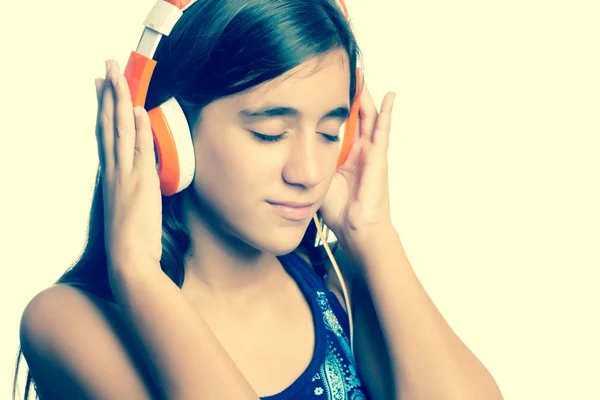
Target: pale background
494	159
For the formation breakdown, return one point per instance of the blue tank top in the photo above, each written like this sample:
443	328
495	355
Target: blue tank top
331	374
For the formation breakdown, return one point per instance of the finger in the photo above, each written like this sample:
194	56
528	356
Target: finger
144	156
99	86
381	133
367	113
124	123
353	155
106	125
99	82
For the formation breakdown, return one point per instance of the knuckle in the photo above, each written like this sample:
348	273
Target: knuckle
105	120
121	182
138	152
121	128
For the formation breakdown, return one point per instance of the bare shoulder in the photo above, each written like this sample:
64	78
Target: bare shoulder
78	346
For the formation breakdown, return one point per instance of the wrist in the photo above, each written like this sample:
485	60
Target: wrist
133	265
362	244
364	239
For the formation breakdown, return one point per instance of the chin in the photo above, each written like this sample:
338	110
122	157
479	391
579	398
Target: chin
280	246
280	241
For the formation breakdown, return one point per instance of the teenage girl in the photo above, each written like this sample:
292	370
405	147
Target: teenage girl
200	279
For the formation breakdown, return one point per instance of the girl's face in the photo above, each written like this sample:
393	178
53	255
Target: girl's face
272	144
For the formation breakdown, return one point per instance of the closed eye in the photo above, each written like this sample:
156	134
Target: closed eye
268	138
276	138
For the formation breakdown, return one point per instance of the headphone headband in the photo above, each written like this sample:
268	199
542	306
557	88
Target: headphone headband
176	162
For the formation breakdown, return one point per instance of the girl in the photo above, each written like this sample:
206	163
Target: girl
213	292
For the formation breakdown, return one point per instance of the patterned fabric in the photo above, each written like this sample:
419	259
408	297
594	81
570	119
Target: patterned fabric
331	374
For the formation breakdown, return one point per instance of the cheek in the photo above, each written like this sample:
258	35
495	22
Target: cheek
231	171
328	163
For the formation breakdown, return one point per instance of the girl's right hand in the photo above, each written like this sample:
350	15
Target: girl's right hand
130	183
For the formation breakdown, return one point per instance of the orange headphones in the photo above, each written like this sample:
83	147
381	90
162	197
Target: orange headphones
172	136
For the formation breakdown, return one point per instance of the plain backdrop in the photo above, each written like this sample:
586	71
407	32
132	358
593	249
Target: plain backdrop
494	166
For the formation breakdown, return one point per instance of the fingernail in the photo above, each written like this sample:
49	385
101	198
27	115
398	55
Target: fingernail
107	64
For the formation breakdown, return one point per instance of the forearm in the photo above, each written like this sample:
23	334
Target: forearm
429	360
183	353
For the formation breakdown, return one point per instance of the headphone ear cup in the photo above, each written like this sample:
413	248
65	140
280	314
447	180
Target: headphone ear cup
351	124
175	150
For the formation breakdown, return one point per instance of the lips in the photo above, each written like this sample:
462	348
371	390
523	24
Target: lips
293	211
291	204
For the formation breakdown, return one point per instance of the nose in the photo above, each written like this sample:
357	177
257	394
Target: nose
304	166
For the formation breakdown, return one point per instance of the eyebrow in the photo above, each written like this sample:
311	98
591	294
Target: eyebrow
341	113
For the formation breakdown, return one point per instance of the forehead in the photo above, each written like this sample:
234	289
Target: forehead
319	83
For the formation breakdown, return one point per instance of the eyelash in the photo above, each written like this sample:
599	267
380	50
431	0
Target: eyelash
276	138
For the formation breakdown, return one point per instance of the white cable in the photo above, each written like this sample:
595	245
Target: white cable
340	277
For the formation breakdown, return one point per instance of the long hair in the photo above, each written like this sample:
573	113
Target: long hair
217	48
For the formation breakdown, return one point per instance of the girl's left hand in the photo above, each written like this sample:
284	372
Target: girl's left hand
358	203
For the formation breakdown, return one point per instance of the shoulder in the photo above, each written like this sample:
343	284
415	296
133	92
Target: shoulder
76	344
60	309
60	301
